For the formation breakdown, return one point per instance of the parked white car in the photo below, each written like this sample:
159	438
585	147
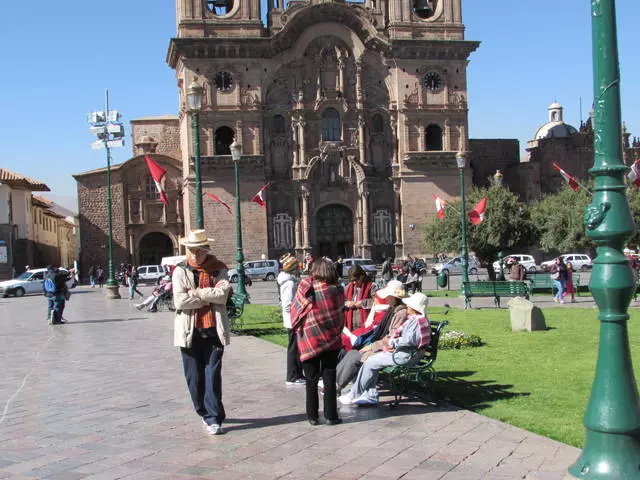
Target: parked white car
527	261
150	273
257	270
28	282
579	261
454	265
368	265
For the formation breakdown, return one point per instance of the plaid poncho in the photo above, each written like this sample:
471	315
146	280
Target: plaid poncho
317	317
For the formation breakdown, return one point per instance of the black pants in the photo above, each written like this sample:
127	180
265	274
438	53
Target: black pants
325	365
203	371
294	365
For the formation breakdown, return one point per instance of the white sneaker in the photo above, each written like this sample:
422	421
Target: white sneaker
346	399
299	381
366	399
561	301
215	429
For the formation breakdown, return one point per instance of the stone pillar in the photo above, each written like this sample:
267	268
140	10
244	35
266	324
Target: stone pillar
366	246
303	153
131	246
129	213
319	81
358	85
305	218
447	135
394	139
141	204
421	132
239	132
341	65
361	140
462	141
398	219
294	129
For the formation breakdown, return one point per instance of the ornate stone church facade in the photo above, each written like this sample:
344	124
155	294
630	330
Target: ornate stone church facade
354	112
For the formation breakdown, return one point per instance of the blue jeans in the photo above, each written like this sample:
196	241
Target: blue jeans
92	280
55	304
133	290
559	284
203	371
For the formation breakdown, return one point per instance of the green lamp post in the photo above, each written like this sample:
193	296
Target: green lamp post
236	155
108	128
461	161
194	105
612	418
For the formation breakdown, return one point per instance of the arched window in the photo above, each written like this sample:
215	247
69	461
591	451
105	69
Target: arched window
151	190
377	123
278	124
331	131
223	138
433	138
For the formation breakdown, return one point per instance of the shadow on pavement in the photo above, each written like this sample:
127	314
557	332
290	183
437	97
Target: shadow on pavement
106	320
471	394
253	423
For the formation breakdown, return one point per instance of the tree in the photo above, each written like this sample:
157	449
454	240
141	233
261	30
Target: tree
559	220
506	225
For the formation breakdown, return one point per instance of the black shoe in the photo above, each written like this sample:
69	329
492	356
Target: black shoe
334	421
314	421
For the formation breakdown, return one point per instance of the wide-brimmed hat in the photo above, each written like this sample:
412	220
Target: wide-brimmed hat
393	288
418	301
196	239
289	263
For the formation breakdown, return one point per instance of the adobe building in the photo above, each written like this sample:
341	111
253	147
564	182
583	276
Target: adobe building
144	228
353	111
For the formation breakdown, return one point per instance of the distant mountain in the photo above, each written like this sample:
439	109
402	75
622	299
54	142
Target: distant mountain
65	205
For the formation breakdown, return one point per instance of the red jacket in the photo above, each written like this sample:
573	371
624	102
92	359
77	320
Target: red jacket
363	294
317	317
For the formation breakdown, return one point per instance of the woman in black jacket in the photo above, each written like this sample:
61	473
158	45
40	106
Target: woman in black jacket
559	275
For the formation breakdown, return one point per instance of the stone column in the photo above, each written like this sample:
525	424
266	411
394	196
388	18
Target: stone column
239	132
129	214
462	141
394	139
361	141
341	65
421	139
398	219
447	135
319	80
303	153
305	218
365	218
294	129
141	204
131	245
358	85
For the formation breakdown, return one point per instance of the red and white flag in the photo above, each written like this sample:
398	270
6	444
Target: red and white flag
157	173
220	201
568	178
634	173
440	204
477	214
259	197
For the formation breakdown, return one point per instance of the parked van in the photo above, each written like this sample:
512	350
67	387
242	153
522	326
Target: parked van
257	270
150	273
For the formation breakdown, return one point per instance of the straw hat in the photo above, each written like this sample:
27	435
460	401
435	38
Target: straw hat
289	262
394	288
196	239
418	301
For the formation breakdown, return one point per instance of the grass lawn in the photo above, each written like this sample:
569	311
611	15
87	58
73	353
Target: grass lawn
538	381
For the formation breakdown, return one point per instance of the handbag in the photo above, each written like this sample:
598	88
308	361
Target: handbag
364	339
555	276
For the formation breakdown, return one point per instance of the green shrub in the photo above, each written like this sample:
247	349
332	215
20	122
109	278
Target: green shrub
452	339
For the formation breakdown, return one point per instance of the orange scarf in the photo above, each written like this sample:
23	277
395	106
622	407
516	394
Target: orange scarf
207	272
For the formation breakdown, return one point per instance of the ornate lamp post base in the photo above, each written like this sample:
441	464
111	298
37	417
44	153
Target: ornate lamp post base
112	292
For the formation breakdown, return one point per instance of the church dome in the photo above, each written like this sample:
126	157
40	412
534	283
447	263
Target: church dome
555	127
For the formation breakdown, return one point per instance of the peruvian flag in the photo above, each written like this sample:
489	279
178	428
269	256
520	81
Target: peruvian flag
477	214
157	173
568	178
220	201
634	174
259	197
440	204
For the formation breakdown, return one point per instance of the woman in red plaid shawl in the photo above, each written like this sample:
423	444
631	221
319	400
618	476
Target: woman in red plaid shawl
317	318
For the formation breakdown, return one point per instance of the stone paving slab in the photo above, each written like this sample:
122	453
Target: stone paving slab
103	397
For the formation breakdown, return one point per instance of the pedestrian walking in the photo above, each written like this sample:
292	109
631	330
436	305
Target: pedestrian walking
387	272
339	267
55	290
317	318
200	293
100	276
559	276
570	289
133	283
288	281
92	276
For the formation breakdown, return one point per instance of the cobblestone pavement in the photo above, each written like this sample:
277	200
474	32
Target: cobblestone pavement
103	397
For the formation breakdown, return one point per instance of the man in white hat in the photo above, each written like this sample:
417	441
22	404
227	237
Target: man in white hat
403	348
200	292
395	316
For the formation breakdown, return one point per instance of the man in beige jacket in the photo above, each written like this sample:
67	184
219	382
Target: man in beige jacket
201	328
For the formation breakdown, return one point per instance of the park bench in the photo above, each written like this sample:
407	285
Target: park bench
399	378
495	289
235	309
543	281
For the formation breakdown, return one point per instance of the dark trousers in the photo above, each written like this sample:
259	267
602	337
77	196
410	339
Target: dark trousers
325	365
294	365
203	371
55	304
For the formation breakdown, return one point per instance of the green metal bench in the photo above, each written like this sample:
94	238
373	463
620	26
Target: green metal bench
495	289
543	281
399	378
235	309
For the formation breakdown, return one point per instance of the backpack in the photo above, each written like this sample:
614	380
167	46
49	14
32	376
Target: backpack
50	286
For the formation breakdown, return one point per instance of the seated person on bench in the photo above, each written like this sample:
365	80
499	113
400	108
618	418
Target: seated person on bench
376	314
414	334
151	301
368	343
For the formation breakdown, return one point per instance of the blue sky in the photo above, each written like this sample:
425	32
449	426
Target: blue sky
58	59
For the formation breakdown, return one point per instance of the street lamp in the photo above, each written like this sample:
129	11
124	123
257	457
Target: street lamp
612	419
461	161
236	154
106	125
194	105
